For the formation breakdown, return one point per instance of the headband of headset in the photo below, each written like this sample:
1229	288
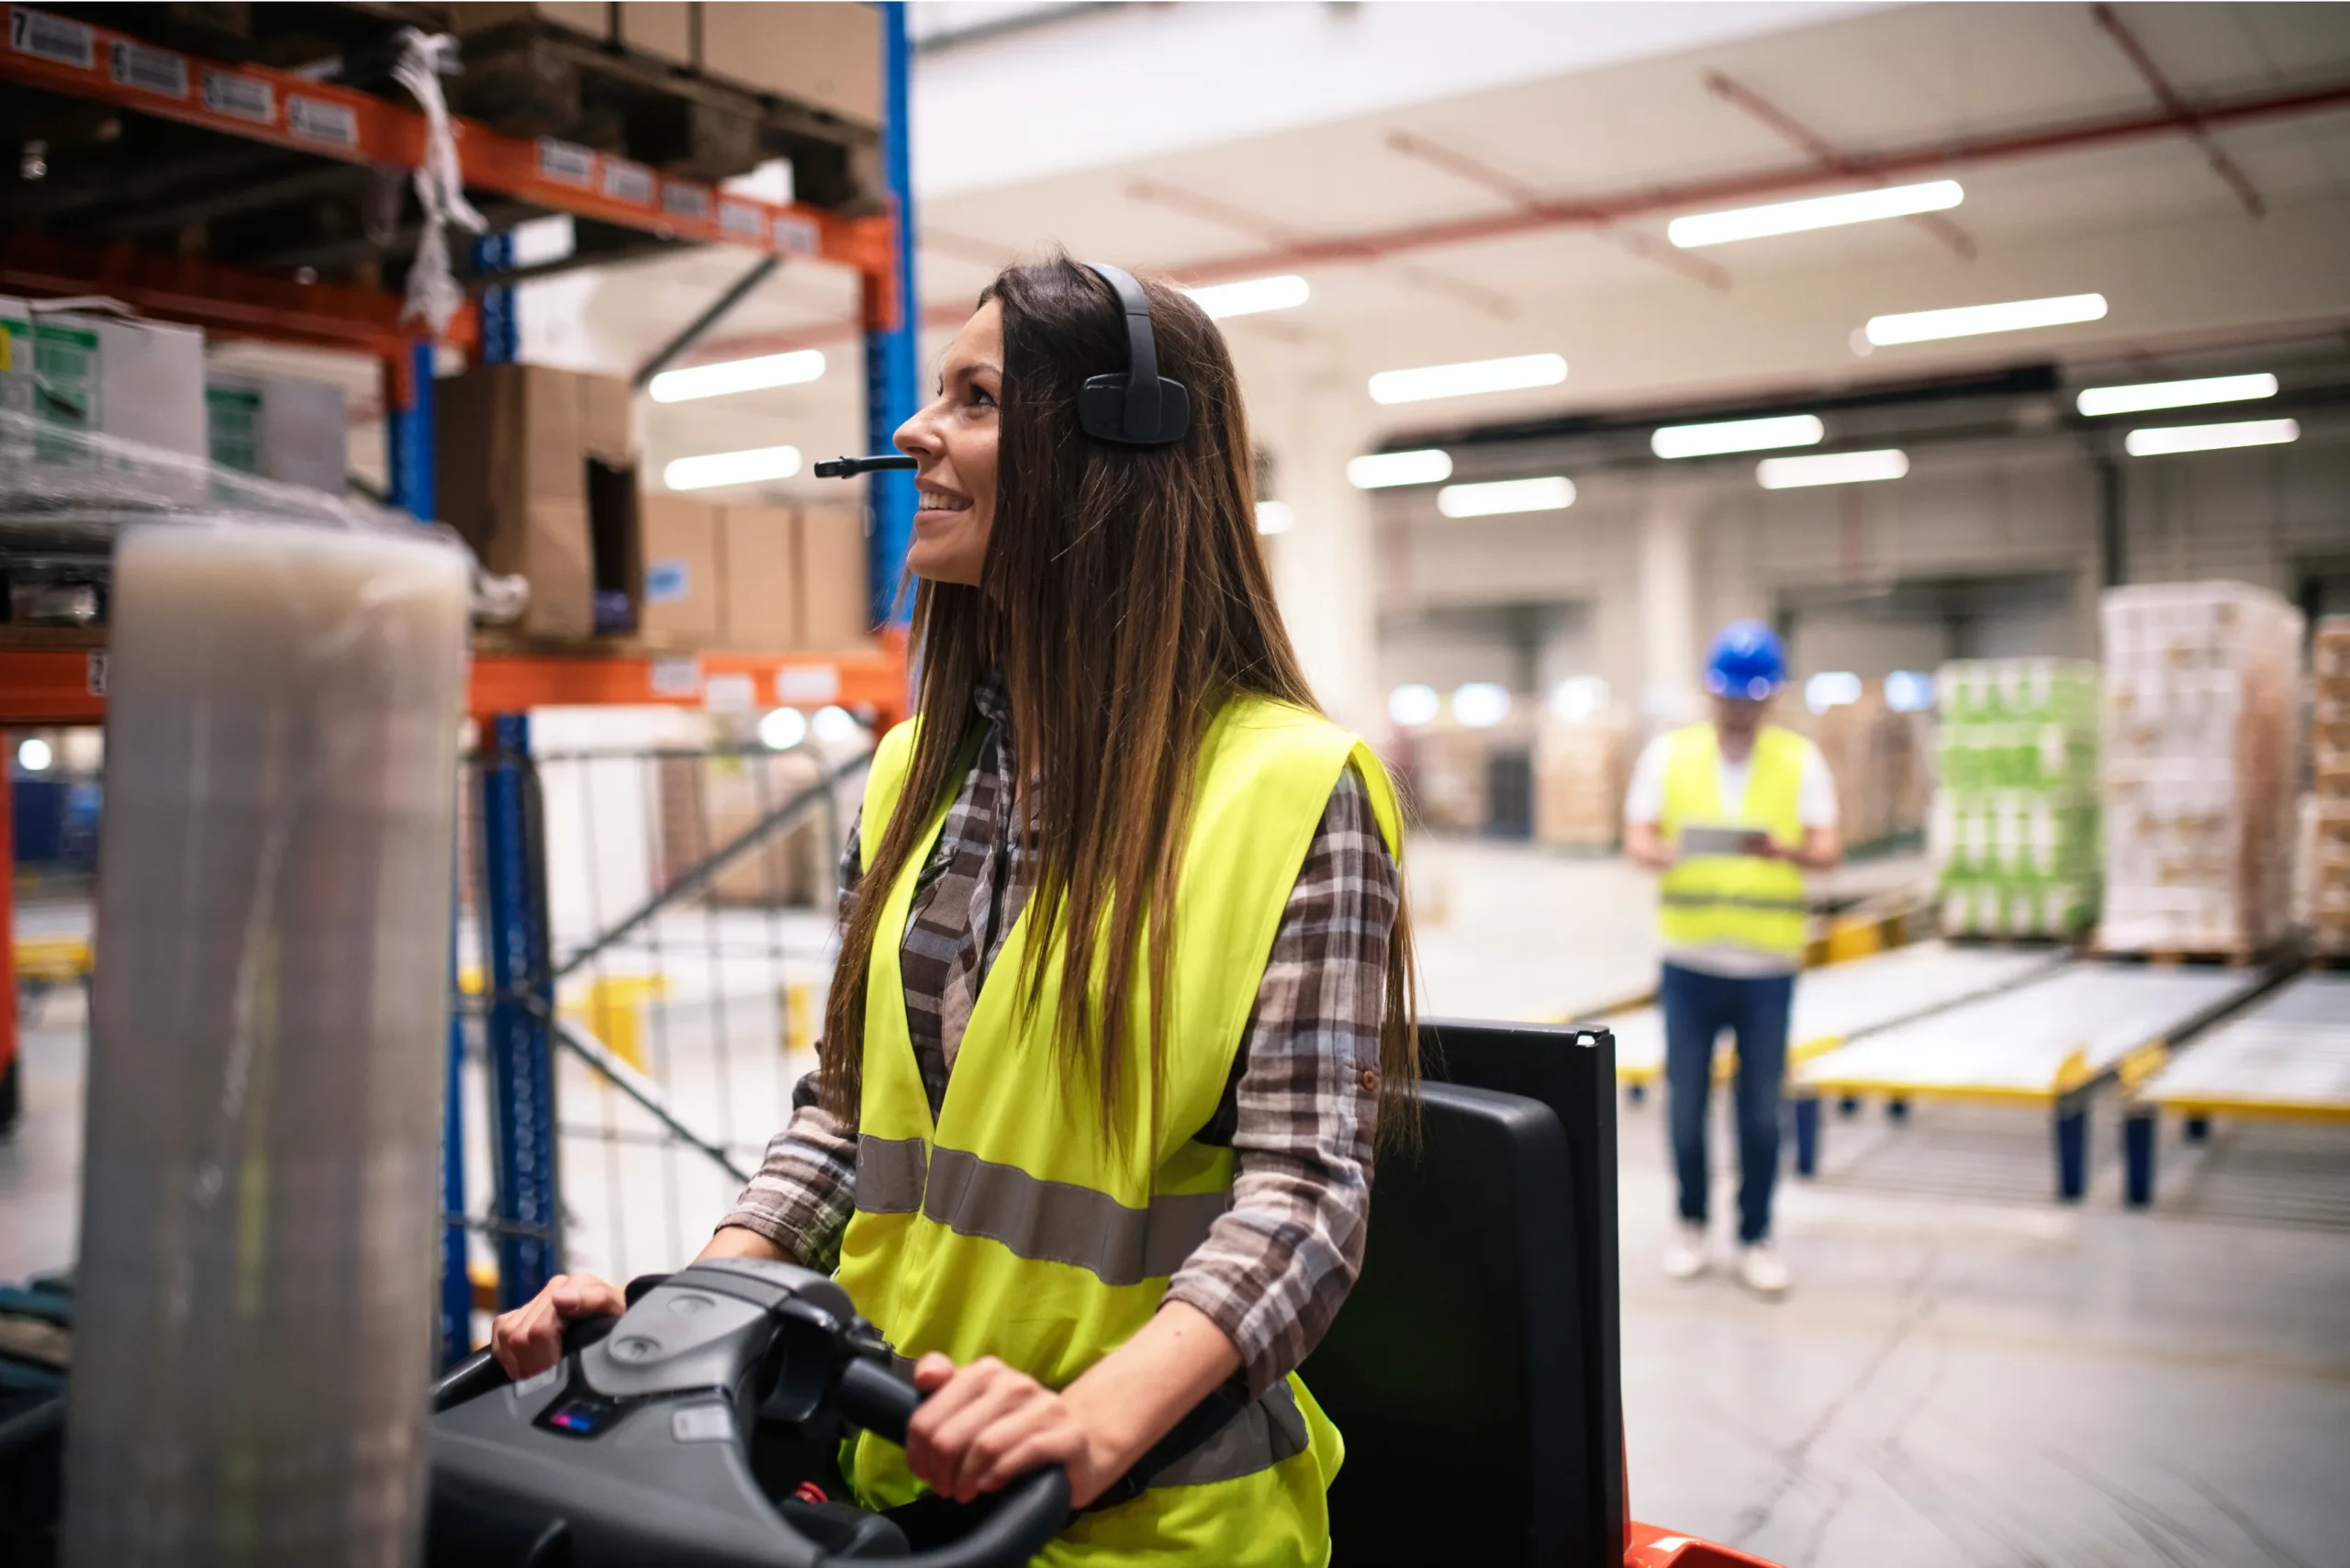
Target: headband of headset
1138	407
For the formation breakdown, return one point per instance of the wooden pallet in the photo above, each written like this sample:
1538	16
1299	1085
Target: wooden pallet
2175	957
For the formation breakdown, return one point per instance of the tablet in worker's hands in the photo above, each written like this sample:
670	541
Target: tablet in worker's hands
1697	840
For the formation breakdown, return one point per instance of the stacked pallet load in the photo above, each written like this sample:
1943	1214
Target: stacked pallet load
2197	770
1873	753
2015	816
2329	867
1581	769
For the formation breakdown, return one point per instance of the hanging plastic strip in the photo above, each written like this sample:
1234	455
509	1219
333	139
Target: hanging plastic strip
432	291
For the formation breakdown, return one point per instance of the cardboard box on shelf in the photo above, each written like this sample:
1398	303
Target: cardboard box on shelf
276	426
835	615
828	57
759	599
662	31
594	20
536	472
680	606
137	380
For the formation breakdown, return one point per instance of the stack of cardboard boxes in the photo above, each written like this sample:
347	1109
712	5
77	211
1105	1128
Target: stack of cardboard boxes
827	57
1447	771
2015	818
754	578
137	380
1580	774
2330	785
1877	757
2199	704
708	802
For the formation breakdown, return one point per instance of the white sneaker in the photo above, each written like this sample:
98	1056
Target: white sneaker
1760	1270
1686	1258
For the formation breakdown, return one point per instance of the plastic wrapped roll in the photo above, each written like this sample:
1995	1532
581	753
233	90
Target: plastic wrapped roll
260	1192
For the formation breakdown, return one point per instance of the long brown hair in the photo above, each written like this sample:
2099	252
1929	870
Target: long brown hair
1126	598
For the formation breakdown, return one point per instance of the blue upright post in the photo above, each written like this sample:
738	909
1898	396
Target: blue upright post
500	328
893	358
408	433
2072	1151
456	1282
522	1072
2139	1134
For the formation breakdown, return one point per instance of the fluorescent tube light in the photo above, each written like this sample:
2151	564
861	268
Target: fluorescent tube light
791	369
2176	394
719	468
1969	321
1830	468
2165	440
1377	470
783	729
1274	517
1737	435
1413	704
1555	493
1251	296
1831	689
1815	212
1469	379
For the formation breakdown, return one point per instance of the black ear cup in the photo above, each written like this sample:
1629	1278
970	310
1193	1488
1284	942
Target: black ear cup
1138	407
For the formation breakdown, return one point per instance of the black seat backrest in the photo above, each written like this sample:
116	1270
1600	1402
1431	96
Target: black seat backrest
1474	1371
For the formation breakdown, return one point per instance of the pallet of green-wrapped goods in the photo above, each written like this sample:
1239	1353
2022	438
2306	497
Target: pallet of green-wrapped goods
2015	829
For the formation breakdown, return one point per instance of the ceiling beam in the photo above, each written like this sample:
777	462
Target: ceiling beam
1477	172
2033	141
2172	100
1824	153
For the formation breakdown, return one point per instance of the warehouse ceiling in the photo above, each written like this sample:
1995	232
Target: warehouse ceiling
2189	161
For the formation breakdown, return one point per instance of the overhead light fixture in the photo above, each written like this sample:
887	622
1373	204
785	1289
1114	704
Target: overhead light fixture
783	729
1274	517
1468	380
1814	212
1831	689
1378	470
1480	704
2164	440
796	368
1251	296
1413	705
1555	493
1971	321
721	468
2148	394
1737	435
1831	468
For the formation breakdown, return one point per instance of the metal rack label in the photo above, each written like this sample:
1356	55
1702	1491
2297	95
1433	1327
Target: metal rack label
565	163
147	68
45	37
239	96
314	119
631	183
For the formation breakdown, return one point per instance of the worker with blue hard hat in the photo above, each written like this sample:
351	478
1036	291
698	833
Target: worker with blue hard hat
1733	813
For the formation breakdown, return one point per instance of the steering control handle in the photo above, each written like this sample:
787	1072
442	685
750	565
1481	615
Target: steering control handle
1035	1509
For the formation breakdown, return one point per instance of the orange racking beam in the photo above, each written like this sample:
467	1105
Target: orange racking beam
85	61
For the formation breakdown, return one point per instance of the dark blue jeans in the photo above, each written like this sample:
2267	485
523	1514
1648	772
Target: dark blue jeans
1697	1008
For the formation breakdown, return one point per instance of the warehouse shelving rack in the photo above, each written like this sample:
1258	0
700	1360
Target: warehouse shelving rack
60	679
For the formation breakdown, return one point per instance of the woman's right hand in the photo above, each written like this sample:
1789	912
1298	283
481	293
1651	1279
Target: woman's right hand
529	1339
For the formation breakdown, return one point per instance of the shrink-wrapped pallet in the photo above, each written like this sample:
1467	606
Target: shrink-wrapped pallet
1874	754
1580	772
2197	777
2015	828
1449	770
2328	842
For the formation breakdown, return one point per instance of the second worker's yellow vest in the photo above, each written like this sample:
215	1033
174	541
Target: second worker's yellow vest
1743	900
1017	1226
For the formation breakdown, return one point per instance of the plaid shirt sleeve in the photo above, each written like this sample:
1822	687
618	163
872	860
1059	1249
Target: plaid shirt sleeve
1276	1267
806	1187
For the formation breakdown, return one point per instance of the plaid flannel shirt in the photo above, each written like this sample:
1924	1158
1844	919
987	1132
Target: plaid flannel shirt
1299	1113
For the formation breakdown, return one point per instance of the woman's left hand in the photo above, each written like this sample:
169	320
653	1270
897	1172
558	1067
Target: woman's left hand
985	1425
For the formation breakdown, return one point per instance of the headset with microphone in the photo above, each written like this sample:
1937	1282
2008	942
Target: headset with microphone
1135	407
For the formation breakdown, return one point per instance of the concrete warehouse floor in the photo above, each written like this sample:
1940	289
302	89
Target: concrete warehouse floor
1966	1374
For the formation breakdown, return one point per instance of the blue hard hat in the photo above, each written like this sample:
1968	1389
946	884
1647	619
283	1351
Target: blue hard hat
1746	661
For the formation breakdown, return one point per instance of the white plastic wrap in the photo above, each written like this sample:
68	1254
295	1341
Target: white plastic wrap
261	1181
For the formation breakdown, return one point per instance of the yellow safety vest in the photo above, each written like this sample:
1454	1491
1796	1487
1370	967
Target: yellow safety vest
1018	1228
1739	898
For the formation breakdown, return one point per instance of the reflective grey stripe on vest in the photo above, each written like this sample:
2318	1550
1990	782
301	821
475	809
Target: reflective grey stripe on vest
1731	900
1044	1222
1267	1432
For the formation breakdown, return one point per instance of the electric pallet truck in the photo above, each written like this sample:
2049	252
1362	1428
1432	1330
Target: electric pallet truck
1474	1374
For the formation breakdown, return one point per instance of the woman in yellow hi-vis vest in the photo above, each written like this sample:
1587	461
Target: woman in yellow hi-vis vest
1733	813
1122	1002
